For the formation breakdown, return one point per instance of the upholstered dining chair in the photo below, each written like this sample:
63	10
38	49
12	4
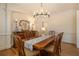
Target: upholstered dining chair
56	47
24	51
51	32
19	45
26	34
60	39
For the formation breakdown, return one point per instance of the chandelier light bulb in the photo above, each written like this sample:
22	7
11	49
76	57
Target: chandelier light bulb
41	12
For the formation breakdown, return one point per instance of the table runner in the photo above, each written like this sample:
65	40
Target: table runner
29	44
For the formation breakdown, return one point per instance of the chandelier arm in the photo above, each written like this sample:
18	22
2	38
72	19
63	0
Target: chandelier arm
41	12
41	4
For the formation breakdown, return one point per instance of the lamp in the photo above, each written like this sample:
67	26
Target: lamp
16	28
43	27
41	12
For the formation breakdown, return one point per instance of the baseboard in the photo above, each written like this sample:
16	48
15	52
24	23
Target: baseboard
69	43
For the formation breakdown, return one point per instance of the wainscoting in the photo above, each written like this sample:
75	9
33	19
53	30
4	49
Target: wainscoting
5	41
69	38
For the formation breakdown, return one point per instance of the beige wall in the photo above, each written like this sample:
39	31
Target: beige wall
77	28
64	21
2	17
19	15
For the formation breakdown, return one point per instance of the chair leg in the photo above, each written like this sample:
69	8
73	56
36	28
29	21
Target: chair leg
58	53
43	53
39	53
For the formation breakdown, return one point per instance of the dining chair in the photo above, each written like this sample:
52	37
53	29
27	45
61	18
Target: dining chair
60	39
51	32
27	34
55	49
31	34
19	46
22	51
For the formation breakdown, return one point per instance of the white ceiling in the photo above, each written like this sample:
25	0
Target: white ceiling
51	7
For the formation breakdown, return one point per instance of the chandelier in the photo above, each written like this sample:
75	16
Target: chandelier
41	12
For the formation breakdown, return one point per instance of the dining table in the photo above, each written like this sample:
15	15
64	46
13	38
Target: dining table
39	43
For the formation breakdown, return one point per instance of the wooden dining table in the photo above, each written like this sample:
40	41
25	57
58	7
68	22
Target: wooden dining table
41	45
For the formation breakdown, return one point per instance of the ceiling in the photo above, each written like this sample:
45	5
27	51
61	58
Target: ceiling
51	7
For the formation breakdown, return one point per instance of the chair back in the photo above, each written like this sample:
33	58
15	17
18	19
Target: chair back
51	32
20	46
60	38
27	36
57	43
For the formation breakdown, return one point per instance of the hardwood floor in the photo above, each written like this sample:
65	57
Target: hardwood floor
67	50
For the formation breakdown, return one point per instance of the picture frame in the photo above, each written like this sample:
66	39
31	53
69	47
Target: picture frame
24	24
